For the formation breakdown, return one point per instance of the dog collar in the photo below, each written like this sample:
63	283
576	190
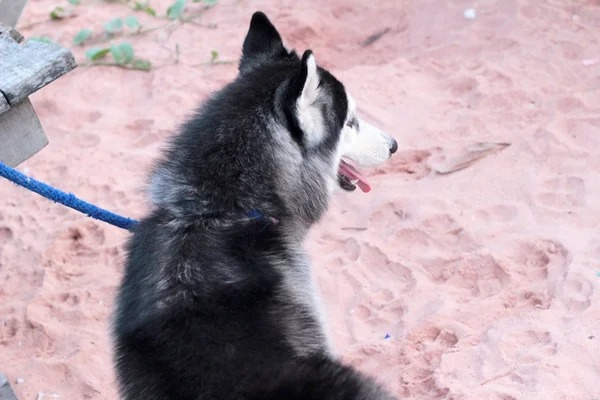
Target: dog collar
258	214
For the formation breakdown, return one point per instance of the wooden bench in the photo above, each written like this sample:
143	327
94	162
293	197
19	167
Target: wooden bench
24	69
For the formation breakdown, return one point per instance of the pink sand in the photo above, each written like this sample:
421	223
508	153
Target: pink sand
485	279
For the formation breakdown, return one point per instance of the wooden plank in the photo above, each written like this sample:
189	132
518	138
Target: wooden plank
6	392
21	134
25	69
10	11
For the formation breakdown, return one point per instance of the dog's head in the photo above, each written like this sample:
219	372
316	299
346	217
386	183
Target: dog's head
278	139
320	113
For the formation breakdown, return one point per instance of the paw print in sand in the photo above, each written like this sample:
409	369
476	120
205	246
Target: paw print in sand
562	194
576	295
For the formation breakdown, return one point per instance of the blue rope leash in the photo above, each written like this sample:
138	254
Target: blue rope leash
67	199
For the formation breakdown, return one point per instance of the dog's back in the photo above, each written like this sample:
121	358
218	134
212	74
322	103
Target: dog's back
196	332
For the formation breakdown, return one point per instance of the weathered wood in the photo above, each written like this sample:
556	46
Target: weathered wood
10	11
6	393
26	68
21	134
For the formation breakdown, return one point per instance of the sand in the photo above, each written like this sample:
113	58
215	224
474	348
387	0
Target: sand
484	280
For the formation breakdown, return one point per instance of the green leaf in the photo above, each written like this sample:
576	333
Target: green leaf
142	65
43	39
144	7
210	3
176	9
114	50
122	53
114	25
74	2
96	53
213	56
127	51
132	22
60	13
82	36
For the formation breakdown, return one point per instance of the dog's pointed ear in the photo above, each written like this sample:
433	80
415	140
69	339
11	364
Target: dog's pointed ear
303	92
309	79
262	41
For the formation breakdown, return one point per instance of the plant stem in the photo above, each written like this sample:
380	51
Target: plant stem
214	63
121	35
112	64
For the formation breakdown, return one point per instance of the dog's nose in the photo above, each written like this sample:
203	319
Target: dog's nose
394	147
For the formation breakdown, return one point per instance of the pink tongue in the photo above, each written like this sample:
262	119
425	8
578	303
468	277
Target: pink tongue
352	173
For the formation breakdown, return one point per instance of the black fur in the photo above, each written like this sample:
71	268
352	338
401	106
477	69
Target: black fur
204	309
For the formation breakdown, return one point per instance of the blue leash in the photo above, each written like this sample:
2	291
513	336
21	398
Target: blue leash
67	199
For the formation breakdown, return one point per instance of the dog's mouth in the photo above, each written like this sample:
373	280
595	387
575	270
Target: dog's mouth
349	178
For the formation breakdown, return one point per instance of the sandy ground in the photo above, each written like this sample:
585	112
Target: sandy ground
486	279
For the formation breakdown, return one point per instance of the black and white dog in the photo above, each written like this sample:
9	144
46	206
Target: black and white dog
217	300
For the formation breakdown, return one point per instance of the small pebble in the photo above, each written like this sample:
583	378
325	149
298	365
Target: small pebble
470	13
19	381
41	395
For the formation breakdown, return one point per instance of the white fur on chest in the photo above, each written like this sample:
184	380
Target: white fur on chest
299	291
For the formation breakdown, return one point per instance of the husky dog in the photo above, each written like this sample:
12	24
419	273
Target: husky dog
217	300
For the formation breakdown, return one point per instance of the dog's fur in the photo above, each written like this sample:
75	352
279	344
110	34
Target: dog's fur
217	302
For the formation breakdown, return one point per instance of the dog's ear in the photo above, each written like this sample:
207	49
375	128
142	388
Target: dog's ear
303	91
309	79
262	41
